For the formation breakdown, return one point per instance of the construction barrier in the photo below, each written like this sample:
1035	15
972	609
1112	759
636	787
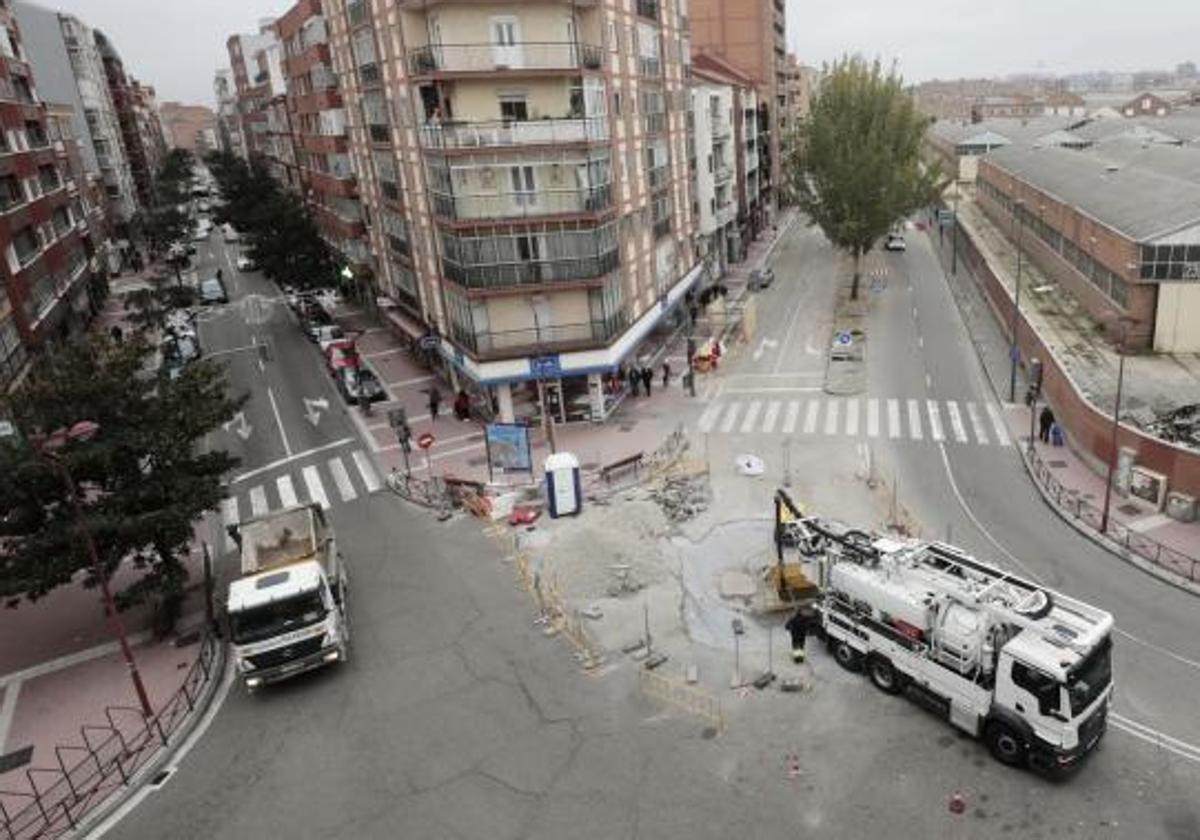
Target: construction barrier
682	696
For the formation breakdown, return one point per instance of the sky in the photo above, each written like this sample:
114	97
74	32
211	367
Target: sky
176	45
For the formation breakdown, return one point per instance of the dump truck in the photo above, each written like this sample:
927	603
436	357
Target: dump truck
1025	668
287	611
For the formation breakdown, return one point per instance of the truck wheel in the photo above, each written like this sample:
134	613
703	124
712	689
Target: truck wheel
883	674
846	656
1006	745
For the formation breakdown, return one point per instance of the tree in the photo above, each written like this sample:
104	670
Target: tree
855	169
148	308
143	479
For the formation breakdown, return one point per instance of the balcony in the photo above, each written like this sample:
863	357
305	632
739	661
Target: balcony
658	177
654	123
720	127
535	340
722	171
514	275
476	135
490	58
726	213
649	66
522	205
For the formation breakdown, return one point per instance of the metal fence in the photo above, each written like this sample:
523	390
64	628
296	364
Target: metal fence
108	758
1072	504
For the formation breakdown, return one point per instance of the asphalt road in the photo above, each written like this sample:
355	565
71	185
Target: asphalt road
457	718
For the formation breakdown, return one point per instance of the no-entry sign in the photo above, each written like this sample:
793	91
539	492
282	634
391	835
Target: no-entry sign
425	441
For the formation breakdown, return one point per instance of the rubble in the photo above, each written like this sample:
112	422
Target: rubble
682	497
1180	425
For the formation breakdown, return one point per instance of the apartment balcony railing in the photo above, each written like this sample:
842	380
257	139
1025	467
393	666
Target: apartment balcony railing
648	8
473	135
522	204
488	58
537	339
649	66
516	274
657	177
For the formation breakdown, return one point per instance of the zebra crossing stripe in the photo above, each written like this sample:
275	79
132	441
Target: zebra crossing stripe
751	416
793	414
258	501
709	417
852	417
831	418
956	421
342	479
810	417
893	419
935	421
287	491
772	416
998	425
914	420
731	417
977	424
229	516
872	418
366	471
316	490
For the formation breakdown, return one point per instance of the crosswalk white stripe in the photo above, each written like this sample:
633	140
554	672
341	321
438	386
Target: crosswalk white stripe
810	417
751	416
977	424
998	425
793	414
893	419
914	420
258	500
956	421
731	417
229	516
852	417
831	418
287	491
872	418
771	416
709	417
342	479
935	421
366	471
316	490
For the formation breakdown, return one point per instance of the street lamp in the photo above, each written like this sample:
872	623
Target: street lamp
46	449
1123	324
1013	351
954	235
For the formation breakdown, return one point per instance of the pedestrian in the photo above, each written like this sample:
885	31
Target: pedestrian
219	274
462	405
666	374
1045	421
647	379
802	621
435	402
633	377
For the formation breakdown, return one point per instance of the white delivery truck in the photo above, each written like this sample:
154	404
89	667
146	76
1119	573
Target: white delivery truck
287	611
1027	669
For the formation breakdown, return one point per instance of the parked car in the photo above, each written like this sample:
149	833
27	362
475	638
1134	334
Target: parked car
177	352
895	242
200	234
355	382
212	292
762	278
341	355
313	321
245	262
229	233
329	334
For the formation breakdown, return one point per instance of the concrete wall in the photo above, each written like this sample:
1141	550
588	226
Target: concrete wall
1177	318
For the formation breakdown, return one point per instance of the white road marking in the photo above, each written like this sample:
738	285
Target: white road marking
893	418
998	424
977	424
772	416
852	417
9	708
793	414
404	383
366	471
279	422
914	420
258	501
872	418
342	479
229	516
731	416
935	421
956	421
831	418
316	490
287	491
810	417
298	456
709	417
751	416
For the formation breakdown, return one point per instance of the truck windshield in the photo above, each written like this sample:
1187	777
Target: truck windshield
275	618
1087	680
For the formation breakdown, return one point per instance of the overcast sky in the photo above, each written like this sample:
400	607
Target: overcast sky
176	45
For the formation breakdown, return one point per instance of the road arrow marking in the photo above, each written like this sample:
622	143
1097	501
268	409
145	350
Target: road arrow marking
243	429
313	409
763	346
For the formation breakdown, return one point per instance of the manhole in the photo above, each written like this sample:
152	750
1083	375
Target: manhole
1058	465
15	759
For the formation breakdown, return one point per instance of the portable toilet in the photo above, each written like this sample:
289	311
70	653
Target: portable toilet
563	488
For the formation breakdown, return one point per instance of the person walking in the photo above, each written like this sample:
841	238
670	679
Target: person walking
799	625
435	402
1045	421
634	377
647	379
666	374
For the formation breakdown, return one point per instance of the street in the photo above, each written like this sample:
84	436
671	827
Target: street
456	716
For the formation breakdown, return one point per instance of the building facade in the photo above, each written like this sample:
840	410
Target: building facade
188	126
228	127
251	85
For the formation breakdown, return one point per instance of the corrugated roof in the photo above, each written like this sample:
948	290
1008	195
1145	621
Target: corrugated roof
1143	192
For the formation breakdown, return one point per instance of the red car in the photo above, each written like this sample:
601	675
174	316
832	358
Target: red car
341	355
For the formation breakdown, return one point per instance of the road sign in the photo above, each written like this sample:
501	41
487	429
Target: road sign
843	339
429	341
545	367
425	441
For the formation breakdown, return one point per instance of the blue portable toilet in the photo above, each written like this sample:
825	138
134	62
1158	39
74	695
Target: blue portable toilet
563	486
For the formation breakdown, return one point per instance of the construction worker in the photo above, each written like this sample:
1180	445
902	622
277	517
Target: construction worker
802	621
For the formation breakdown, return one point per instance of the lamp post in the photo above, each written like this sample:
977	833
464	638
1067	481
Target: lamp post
1123	323
954	236
1014	351
46	450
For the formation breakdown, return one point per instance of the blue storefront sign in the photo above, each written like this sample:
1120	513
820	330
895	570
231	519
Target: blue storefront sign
545	367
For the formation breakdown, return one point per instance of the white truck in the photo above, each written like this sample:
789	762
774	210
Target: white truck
287	611
1027	669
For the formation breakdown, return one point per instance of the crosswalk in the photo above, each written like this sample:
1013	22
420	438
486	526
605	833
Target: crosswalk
933	421
348	482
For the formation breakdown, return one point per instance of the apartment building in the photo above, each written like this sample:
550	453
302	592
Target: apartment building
800	87
45	236
252	84
148	126
228	126
188	126
751	35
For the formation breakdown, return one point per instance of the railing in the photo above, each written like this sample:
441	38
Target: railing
472	135
488	58
507	275
649	66
521	204
1091	516
108	758
544	337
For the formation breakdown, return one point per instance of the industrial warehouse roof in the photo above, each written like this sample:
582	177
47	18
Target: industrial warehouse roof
1143	191
1011	129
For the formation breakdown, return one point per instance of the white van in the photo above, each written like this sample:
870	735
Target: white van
229	233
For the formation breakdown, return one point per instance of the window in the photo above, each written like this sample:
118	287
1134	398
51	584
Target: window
62	220
26	244
357	11
1042	686
22	91
514	109
11	193
12	352
523	187
49	178
36	134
